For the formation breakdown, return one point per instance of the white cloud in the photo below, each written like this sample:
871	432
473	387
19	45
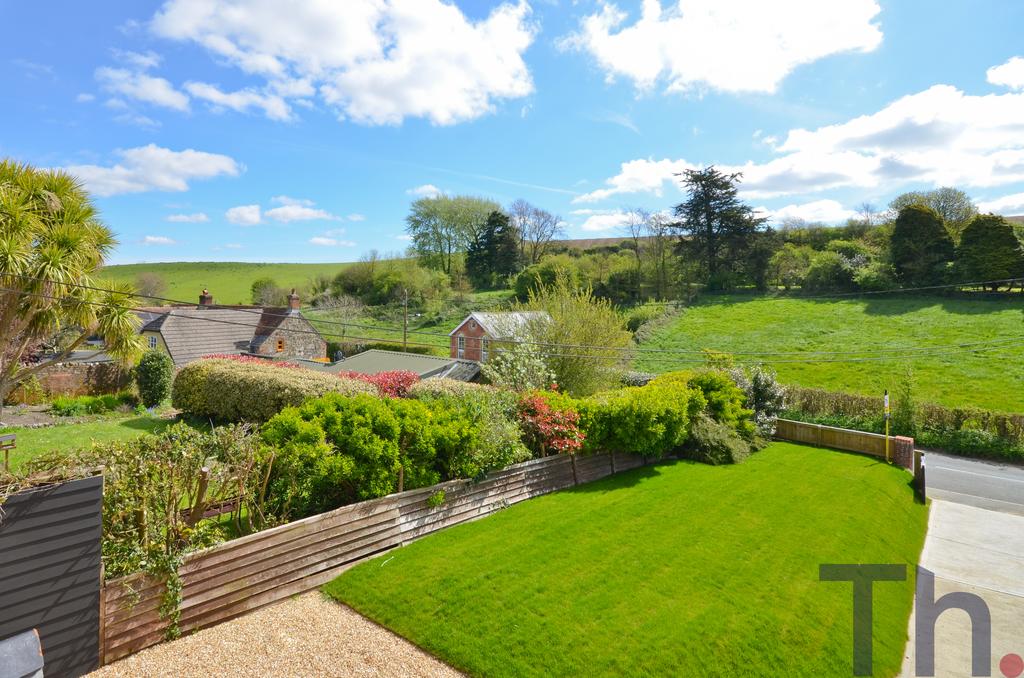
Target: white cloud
1009	74
1008	204
938	137
404	236
424	191
286	200
273	106
154	168
142	86
323	241
232	246
603	220
356	217
732	46
244	215
196	218
289	213
638	176
158	240
819	211
141	61
85	97
374	62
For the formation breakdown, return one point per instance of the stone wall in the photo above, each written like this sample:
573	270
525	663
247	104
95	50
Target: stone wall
299	337
73	379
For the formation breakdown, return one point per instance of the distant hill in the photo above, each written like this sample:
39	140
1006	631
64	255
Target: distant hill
588	243
228	282
1017	219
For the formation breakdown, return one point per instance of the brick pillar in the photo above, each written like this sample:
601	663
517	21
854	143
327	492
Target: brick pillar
903	452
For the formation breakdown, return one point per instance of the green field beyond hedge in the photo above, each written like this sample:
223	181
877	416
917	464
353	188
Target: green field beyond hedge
991	379
229	282
675	569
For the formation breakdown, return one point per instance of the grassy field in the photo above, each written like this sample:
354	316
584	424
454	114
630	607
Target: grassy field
991	378
229	282
33	442
677	569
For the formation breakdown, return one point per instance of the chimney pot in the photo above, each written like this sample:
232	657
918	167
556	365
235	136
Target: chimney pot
206	299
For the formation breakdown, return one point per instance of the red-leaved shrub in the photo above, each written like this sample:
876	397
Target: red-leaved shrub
393	384
547	430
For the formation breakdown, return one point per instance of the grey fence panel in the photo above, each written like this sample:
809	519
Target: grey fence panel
50	572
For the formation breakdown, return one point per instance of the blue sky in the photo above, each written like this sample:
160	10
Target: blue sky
258	131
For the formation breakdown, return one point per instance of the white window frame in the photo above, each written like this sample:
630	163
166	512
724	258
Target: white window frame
485	348
460	346
152	341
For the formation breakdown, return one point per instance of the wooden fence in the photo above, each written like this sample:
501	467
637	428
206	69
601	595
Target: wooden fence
242	575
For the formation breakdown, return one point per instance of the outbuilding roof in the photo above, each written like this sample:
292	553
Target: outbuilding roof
504	325
377	360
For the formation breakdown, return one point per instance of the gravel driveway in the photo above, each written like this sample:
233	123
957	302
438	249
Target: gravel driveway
308	635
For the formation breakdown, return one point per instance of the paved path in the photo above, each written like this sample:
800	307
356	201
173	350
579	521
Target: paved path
981	552
984	484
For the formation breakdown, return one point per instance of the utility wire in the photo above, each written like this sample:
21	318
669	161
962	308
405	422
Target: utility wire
637	350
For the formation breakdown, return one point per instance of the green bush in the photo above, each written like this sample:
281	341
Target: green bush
76	406
650	420
641	315
230	390
725	400
829	272
153	377
712	442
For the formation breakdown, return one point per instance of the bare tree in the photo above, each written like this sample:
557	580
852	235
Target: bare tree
537	228
659	239
636	227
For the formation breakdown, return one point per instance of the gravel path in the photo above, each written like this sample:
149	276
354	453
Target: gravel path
308	635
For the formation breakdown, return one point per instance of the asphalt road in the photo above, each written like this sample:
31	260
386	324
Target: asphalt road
984	484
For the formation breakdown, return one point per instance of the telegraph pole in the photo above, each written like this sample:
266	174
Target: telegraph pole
405	320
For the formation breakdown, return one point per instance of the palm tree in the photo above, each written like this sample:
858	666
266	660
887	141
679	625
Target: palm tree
52	244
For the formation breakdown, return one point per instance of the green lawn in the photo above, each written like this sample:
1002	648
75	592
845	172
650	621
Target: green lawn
229	282
33	442
990	379
677	569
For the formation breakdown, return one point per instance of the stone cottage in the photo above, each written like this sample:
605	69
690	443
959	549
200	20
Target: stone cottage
188	333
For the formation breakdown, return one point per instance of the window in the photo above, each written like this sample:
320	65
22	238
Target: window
486	346
152	341
280	345
462	346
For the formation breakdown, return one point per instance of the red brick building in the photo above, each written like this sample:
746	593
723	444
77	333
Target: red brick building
475	336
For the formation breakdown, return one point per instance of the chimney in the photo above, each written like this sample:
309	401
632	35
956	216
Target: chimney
206	299
293	302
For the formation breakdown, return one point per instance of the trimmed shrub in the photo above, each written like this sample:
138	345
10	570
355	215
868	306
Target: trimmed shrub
633	378
153	377
652	420
240	390
712	442
390	384
439	387
724	400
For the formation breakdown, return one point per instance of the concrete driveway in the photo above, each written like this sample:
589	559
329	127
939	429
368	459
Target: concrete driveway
975	545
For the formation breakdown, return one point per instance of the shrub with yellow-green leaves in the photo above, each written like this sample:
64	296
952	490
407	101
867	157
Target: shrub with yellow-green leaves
230	390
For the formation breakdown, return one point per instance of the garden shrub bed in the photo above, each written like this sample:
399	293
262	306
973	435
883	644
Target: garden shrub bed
77	406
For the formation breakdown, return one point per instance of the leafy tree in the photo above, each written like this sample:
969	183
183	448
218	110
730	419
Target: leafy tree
921	247
495	254
52	244
951	204
153	377
519	367
715	226
989	250
444	225
829	272
537	276
582	337
788	266
150	285
265	292
757	263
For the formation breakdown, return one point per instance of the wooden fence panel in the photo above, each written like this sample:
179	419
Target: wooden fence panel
837	438
242	575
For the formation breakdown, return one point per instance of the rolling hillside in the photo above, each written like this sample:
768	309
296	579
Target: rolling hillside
229	282
942	333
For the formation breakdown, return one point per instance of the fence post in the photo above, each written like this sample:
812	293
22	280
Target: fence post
575	478
611	455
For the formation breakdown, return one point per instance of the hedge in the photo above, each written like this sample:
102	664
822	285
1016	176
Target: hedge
967	431
232	390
